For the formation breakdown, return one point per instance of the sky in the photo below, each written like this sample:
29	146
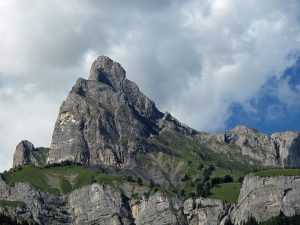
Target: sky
213	64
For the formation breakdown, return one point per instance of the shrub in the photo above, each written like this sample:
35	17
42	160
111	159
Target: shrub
228	179
200	167
140	181
152	183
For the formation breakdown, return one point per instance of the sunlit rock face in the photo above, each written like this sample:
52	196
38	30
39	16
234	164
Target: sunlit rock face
265	197
279	149
104	119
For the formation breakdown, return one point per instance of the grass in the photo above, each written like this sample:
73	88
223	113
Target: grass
182	160
58	180
228	192
179	156
65	179
12	203
65	185
278	172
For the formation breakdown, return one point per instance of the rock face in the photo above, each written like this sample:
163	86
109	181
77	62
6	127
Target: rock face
23	153
41	207
261	197
279	149
26	154
205	211
92	204
104	119
265	197
157	209
287	144
99	204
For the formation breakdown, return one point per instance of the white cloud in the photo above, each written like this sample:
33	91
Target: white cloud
194	58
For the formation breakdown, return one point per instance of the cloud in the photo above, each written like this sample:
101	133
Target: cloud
193	58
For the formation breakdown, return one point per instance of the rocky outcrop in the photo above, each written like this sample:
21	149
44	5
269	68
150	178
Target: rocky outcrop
265	197
92	204
157	209
205	211
41	207
25	153
99	204
105	118
279	149
287	145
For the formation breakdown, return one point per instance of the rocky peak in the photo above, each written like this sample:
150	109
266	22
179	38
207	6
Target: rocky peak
242	129
22	153
105	119
107	71
26	153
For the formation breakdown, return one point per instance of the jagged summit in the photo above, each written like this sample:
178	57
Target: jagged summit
26	153
22	153
105	70
107	123
105	118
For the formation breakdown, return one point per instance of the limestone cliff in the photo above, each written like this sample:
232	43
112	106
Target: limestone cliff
261	197
92	204
205	211
265	197
26	153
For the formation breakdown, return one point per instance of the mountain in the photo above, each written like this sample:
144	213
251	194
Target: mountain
279	149
103	119
116	159
106	119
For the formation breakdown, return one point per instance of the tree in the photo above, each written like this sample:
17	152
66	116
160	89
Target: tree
130	179
251	221
228	221
228	179
185	178
140	181
200	167
152	183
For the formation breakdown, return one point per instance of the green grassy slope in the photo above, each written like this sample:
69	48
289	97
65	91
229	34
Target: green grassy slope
11	203
228	192
191	169
278	172
67	178
58	180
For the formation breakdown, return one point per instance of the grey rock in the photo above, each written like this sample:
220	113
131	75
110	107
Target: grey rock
157	209
105	119
92	204
205	211
279	149
265	197
287	145
99	204
25	153
41	207
4	189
